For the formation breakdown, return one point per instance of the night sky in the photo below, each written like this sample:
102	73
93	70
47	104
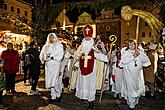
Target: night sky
74	13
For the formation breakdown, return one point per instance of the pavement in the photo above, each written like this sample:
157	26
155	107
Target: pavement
22	101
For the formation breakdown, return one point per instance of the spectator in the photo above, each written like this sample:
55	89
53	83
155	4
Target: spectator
11	67
26	60
117	75
34	66
2	85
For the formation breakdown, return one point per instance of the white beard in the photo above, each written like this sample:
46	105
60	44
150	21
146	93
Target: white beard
87	45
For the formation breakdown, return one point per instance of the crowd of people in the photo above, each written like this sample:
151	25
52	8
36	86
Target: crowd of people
10	61
86	69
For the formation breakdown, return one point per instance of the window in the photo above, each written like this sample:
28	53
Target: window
12	9
4	14
143	34
1	6
127	33
107	15
18	10
5	6
149	34
108	28
26	13
146	24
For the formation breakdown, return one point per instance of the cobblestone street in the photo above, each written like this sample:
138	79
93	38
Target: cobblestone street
22	101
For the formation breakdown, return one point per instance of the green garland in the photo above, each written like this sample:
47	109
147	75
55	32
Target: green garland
17	23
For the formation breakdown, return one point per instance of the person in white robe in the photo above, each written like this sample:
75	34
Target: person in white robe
111	56
150	72
66	67
70	61
86	80
52	54
100	65
117	73
132	61
74	73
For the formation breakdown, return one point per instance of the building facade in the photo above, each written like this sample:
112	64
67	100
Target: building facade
16	8
11	26
145	34
108	24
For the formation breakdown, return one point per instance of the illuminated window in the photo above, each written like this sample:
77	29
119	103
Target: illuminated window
12	9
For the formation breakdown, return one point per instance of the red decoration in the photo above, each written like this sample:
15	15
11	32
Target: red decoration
88	31
89	69
113	78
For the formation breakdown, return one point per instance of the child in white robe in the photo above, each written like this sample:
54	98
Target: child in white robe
117	75
133	59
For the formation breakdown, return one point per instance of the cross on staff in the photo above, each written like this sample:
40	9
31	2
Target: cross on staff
86	58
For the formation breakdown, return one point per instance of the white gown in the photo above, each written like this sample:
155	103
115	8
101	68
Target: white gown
116	87
74	73
133	79
86	85
52	67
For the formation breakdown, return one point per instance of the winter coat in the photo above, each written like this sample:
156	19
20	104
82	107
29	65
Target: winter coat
34	61
11	61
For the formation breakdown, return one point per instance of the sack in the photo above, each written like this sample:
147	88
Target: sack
2	83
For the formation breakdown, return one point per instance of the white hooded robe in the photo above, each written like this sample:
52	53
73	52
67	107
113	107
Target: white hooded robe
53	80
133	79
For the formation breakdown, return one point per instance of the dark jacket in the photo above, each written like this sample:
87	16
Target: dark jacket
34	65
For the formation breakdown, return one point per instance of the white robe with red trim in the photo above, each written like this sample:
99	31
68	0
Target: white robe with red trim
86	85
